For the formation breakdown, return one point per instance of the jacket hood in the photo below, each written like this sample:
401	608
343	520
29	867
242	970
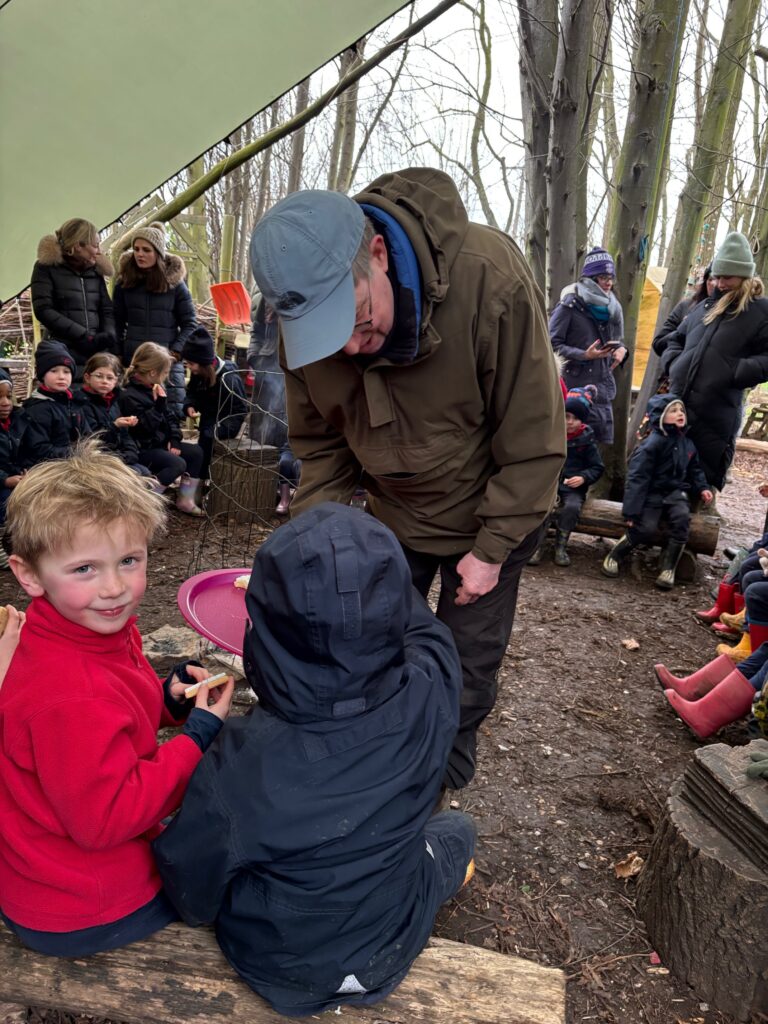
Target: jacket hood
427	204
175	267
50	254
656	408
328	602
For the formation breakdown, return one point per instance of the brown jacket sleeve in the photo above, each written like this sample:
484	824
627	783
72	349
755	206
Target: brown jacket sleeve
526	417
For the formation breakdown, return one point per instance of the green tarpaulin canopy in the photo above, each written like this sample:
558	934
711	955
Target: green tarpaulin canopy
101	101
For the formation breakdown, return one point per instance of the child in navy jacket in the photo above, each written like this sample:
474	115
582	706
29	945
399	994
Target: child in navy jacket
12	423
307	832
52	420
215	391
662	472
97	401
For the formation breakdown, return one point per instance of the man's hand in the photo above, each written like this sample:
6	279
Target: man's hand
574	481
477	578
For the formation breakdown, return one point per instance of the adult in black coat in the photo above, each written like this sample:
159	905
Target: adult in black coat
152	303
719	350
69	295
307	832
702	291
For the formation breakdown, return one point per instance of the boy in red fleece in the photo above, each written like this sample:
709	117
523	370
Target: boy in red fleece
83	783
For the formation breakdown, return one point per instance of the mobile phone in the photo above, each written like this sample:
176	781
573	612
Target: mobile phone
612	345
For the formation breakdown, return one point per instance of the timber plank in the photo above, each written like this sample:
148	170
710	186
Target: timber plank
601	518
179	976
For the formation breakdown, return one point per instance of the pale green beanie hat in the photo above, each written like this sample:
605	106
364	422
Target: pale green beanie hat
734	257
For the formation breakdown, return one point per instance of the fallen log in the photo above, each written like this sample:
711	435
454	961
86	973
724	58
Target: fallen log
179	976
602	518
751	444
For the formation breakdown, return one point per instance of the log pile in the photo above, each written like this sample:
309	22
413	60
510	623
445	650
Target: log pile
704	891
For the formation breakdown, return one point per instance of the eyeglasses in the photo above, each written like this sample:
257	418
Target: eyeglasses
605	278
365	325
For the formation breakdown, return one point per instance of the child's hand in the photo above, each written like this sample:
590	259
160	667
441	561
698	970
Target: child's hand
762	490
158	391
762	554
707	496
11	481
172	450
192	412
126	421
574	481
218	701
629	522
9	640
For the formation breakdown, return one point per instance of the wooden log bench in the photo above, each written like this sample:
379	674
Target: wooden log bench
179	976
602	518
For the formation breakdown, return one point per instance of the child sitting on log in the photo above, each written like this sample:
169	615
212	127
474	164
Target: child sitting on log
583	467
83	782
662	471
307	835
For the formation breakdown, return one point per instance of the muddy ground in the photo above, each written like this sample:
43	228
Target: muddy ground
575	761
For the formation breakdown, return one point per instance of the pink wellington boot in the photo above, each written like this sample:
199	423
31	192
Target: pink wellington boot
698	683
729	701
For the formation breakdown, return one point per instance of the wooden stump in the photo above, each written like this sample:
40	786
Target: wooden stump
703	893
602	518
244	480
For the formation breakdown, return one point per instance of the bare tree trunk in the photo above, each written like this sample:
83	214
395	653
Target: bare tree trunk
198	278
570	116
655	65
538	52
738	25
346	124
297	140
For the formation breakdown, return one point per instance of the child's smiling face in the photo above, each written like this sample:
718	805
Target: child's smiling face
97	580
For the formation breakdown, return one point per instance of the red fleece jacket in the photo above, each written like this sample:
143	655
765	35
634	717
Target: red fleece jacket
83	783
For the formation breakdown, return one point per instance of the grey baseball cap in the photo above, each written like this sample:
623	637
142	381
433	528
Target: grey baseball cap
302	252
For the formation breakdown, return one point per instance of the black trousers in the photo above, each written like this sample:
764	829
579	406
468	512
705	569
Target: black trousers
677	515
166	466
570	509
481	633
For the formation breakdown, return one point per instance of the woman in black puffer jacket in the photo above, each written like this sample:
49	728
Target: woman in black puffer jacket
69	295
720	350
152	303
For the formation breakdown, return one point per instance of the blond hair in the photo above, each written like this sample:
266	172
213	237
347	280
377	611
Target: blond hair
149	358
74	233
91	487
737	300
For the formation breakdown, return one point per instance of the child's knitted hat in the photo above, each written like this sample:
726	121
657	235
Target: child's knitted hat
199	348
50	354
579	401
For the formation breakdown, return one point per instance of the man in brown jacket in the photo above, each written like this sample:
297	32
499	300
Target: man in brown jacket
418	366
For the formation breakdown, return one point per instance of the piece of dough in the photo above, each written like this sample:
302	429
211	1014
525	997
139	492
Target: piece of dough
241	582
218	680
3	618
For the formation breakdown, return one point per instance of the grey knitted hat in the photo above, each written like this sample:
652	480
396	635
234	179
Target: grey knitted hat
153	233
734	257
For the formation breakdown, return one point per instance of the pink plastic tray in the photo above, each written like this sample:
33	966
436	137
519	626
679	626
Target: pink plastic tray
215	608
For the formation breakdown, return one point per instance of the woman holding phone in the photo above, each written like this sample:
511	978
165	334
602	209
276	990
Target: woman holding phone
587	329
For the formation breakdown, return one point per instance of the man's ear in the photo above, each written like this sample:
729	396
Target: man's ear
26	576
378	251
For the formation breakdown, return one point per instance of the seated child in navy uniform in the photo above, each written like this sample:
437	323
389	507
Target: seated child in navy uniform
307	832
663	470
53	422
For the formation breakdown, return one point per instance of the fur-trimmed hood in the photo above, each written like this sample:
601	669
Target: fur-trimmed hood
175	267
50	254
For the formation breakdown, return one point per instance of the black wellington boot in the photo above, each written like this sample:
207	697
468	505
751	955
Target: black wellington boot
561	553
670	556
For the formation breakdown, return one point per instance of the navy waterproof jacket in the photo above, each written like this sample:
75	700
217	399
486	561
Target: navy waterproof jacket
302	831
53	426
665	467
222	407
98	416
582	458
